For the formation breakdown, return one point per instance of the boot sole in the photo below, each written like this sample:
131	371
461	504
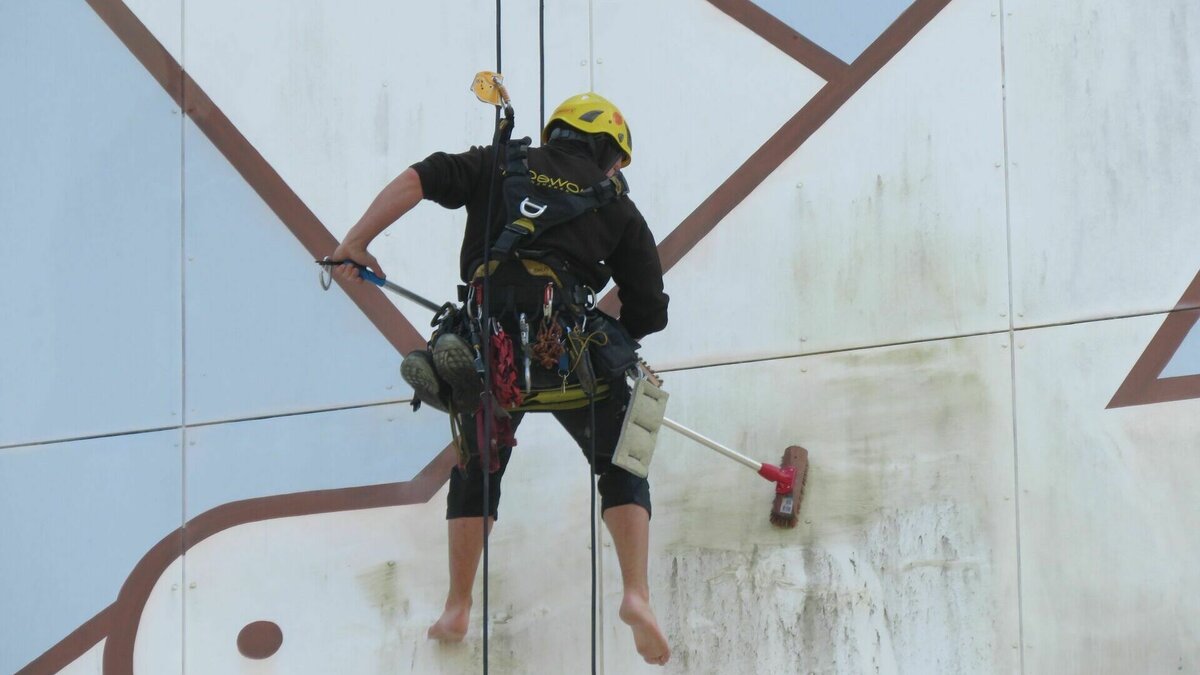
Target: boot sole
418	372
455	363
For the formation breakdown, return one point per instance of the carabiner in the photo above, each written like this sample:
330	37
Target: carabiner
548	300
325	275
477	312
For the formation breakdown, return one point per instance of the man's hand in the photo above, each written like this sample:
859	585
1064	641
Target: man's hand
348	250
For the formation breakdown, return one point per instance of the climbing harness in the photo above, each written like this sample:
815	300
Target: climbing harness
533	209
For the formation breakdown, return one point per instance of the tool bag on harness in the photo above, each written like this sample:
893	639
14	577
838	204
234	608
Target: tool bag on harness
531	209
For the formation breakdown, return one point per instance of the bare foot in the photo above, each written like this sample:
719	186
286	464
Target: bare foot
651	644
452	625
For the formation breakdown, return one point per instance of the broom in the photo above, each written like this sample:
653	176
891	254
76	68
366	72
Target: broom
789	476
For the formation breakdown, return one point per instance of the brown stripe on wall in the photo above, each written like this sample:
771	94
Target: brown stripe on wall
1191	297
812	55
258	173
119	621
145	48
788	139
1167	389
131	601
751	173
71	647
796	131
1143	384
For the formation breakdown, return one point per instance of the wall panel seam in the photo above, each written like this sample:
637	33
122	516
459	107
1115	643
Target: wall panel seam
1012	335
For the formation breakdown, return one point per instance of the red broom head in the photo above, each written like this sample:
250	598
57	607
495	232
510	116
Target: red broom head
785	510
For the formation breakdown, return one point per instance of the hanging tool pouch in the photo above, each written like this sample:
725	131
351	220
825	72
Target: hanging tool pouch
616	354
533	209
639	430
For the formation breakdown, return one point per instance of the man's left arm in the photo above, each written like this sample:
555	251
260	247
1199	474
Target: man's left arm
638	274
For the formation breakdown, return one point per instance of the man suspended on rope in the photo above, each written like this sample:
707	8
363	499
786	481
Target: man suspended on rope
550	350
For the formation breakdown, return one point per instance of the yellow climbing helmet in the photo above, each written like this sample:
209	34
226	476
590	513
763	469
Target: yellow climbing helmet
591	113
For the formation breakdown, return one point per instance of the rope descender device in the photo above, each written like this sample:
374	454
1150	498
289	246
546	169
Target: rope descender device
488	87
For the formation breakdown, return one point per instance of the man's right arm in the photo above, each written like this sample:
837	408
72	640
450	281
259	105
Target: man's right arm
448	179
395	200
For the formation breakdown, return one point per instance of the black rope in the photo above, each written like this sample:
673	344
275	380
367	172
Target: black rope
485	332
591	396
542	63
595	549
499	142
592	490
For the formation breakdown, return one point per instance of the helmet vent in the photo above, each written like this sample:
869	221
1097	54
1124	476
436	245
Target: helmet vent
591	115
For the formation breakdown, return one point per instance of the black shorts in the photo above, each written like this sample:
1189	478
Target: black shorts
616	485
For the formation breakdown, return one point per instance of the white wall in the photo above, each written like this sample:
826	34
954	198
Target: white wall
938	294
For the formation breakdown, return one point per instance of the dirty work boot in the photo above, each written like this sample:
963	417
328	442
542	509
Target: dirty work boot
455	363
417	370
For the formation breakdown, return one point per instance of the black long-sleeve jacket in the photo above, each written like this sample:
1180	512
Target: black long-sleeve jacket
612	242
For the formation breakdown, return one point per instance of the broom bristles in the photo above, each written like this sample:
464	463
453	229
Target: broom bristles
785	510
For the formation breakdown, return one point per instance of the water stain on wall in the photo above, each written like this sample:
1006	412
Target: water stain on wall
908	593
380	584
893	566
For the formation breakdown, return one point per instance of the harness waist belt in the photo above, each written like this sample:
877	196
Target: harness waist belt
529	298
